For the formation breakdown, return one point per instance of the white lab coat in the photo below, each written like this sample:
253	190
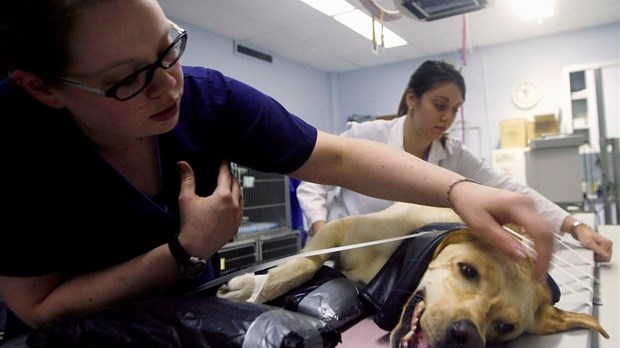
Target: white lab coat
323	202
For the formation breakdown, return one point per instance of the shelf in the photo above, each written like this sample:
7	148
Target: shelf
578	95
580	123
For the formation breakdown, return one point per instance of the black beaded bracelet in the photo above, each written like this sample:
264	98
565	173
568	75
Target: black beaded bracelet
449	191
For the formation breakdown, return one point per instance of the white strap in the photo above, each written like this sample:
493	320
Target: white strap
266	265
259	282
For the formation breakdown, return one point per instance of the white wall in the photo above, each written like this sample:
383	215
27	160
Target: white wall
303	90
490	74
327	99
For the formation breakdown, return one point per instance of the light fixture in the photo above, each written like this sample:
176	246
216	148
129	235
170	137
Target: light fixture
533	9
330	7
356	20
362	24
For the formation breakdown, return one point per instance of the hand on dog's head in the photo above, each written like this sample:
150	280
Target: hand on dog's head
472	294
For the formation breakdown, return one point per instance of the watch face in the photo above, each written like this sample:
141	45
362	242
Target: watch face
525	95
195	268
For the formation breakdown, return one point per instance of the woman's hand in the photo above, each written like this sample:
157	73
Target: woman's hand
316	226
599	244
207	223
485	209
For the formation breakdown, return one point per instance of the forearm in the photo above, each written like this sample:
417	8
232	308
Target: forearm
312	201
315	227
567	227
376	170
142	276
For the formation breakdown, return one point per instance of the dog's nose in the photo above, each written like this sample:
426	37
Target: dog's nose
463	334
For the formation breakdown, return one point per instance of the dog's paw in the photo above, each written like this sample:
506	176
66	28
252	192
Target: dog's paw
239	288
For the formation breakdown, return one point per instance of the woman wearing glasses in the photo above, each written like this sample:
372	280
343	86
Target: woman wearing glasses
116	172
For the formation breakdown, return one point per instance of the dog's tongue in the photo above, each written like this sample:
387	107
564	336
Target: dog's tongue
417	340
422	342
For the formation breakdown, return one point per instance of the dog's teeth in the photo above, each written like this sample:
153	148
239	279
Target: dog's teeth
404	341
419	308
414	324
417	313
408	336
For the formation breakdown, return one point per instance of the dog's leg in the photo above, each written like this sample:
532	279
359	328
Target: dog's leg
290	275
286	276
278	281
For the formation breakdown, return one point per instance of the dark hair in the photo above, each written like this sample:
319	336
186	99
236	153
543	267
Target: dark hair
34	34
428	76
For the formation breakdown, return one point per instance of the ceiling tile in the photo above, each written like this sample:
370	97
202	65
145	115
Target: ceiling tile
293	30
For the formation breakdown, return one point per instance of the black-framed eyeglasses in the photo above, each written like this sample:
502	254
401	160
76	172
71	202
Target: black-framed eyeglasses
135	83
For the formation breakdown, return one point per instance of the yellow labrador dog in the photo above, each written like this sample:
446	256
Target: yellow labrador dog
470	294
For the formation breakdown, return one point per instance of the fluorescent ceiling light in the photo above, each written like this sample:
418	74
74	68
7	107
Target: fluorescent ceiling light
534	9
361	23
356	20
330	7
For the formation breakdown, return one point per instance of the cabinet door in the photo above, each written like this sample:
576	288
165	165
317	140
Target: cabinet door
581	108
580	113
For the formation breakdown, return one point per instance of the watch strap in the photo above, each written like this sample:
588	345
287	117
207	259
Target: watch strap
573	229
191	266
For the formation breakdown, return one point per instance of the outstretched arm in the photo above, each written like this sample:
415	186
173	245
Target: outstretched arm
377	170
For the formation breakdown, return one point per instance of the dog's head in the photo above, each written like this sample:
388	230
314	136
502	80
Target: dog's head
472	294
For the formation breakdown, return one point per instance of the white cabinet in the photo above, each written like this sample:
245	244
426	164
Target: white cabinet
587	88
551	165
581	107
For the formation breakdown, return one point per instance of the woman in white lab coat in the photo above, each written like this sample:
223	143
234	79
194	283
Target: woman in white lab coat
428	108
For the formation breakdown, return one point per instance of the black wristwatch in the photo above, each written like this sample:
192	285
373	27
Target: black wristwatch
191	266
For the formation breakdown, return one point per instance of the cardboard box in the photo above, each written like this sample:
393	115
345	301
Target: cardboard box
531	131
513	132
545	124
511	163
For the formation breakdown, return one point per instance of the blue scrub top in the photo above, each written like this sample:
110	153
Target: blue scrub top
70	211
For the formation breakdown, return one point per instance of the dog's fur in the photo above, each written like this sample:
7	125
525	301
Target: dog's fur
471	294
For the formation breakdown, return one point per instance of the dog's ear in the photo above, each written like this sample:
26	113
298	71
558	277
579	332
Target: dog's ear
550	320
456	236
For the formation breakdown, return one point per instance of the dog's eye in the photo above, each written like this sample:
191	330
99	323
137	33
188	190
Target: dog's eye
504	328
468	271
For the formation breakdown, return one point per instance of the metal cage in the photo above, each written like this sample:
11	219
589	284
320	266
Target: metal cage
265	232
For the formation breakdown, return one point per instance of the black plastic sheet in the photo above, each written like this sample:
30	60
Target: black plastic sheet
195	321
328	296
390	289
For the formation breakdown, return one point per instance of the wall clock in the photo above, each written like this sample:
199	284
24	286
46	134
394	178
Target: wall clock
525	95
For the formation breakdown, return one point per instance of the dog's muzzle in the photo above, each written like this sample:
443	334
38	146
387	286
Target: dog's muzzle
409	333
460	334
